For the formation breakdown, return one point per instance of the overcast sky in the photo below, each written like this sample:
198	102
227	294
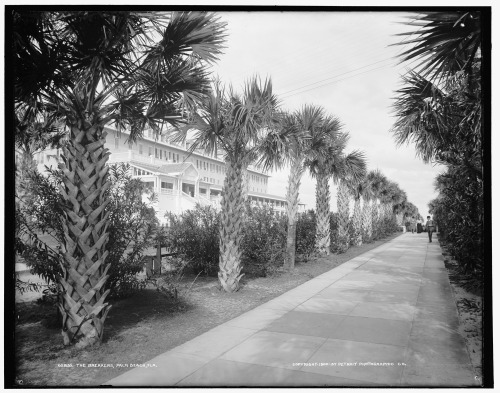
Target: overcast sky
341	61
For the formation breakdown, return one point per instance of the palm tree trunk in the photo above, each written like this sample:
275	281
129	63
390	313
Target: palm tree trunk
322	215
292	198
84	270
386	218
343	214
231	227
375	221
367	221
357	223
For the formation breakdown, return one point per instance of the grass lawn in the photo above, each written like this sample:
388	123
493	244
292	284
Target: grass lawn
145	325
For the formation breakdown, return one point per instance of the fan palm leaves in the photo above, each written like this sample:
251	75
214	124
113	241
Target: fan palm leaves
440	107
446	42
91	69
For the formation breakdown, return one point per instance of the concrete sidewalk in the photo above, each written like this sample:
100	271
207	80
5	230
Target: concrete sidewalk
386	317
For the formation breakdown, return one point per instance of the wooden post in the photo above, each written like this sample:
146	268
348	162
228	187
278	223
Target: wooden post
158	257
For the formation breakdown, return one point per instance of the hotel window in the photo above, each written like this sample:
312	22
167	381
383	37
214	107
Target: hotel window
161	154
150	151
177	157
140	149
156	152
150	133
167	185
169	155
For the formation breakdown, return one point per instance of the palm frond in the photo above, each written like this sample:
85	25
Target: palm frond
446	42
197	34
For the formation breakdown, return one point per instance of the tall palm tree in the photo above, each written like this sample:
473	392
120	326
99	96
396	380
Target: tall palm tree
377	184
242	126
367	196
347	172
306	136
91	69
328	143
391	195
358	191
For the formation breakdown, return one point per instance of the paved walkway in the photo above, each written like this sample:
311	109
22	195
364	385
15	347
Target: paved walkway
386	317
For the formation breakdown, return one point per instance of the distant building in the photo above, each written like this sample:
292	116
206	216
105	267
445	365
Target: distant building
180	179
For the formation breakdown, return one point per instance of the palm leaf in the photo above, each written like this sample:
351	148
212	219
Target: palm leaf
446	42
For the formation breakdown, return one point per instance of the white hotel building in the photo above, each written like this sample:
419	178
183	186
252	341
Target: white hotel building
180	179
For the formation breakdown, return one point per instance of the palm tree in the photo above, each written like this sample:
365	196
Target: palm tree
306	136
91	69
391	195
377	183
358	190
347	172
243	127
367	195
440	107
328	143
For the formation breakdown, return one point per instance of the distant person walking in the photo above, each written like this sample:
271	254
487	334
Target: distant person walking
413	225
429	226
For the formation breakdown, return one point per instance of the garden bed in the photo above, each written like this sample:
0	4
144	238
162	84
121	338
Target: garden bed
148	324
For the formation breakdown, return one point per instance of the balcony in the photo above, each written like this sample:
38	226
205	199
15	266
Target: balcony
134	156
169	191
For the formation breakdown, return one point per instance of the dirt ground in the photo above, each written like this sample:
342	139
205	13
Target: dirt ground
146	325
470	313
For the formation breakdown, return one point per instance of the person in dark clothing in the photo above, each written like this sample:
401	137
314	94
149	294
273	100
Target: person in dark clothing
429	226
419	227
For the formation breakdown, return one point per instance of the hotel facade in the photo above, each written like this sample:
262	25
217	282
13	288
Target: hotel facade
180	179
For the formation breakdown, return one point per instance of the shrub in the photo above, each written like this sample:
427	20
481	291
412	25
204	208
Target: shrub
306	234
195	235
132	227
459	215
264	240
